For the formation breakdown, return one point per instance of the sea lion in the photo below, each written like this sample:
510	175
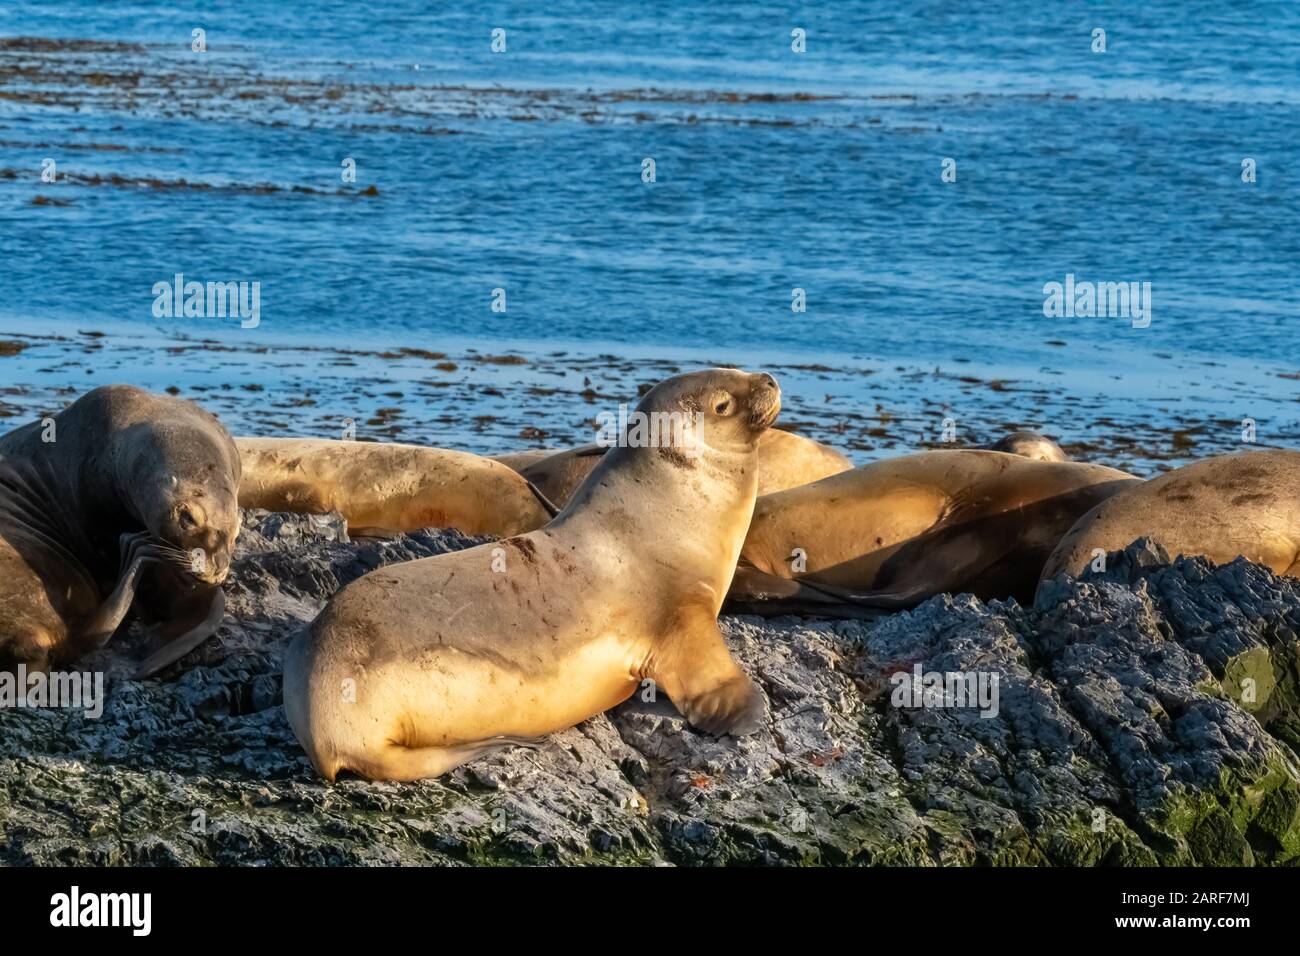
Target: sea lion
418	667
1030	445
785	460
556	474
519	460
893	533
1242	505
122	492
387	488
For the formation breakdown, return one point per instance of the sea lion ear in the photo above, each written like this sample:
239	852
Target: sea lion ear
173	481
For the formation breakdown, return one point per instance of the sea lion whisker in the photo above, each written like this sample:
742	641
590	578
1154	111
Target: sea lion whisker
184	557
162	543
185	563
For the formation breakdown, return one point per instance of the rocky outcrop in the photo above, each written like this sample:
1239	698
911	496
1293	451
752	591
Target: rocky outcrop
1148	714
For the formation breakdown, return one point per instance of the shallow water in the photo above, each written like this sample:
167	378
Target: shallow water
522	171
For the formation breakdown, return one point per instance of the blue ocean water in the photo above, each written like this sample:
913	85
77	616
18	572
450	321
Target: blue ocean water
775	170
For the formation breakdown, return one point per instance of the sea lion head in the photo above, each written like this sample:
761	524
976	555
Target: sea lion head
724	409
1030	445
185	483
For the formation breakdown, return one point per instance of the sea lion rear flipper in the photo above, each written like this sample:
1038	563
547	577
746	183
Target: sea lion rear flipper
396	762
545	502
694	668
757	592
384	534
951	560
177	647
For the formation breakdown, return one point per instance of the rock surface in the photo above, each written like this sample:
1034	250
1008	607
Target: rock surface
1149	714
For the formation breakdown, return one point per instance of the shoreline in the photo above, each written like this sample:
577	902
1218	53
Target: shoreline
488	397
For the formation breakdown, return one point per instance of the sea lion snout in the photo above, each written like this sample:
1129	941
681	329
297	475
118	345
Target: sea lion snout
216	550
764	401
218	568
201	531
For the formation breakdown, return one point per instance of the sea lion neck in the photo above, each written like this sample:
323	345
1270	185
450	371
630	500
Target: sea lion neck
97	465
650	500
125	490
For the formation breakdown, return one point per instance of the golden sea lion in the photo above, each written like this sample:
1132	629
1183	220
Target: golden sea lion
418	667
785	460
893	533
387	488
123	500
519	460
556	474
1030	445
1243	505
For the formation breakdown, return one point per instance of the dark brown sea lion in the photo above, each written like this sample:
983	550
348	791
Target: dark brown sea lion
893	533
122	498
1243	505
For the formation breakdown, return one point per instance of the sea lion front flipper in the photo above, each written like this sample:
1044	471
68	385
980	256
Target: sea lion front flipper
178	646
695	669
138	550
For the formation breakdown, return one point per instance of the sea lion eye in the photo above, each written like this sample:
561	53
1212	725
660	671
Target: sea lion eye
723	406
187	520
